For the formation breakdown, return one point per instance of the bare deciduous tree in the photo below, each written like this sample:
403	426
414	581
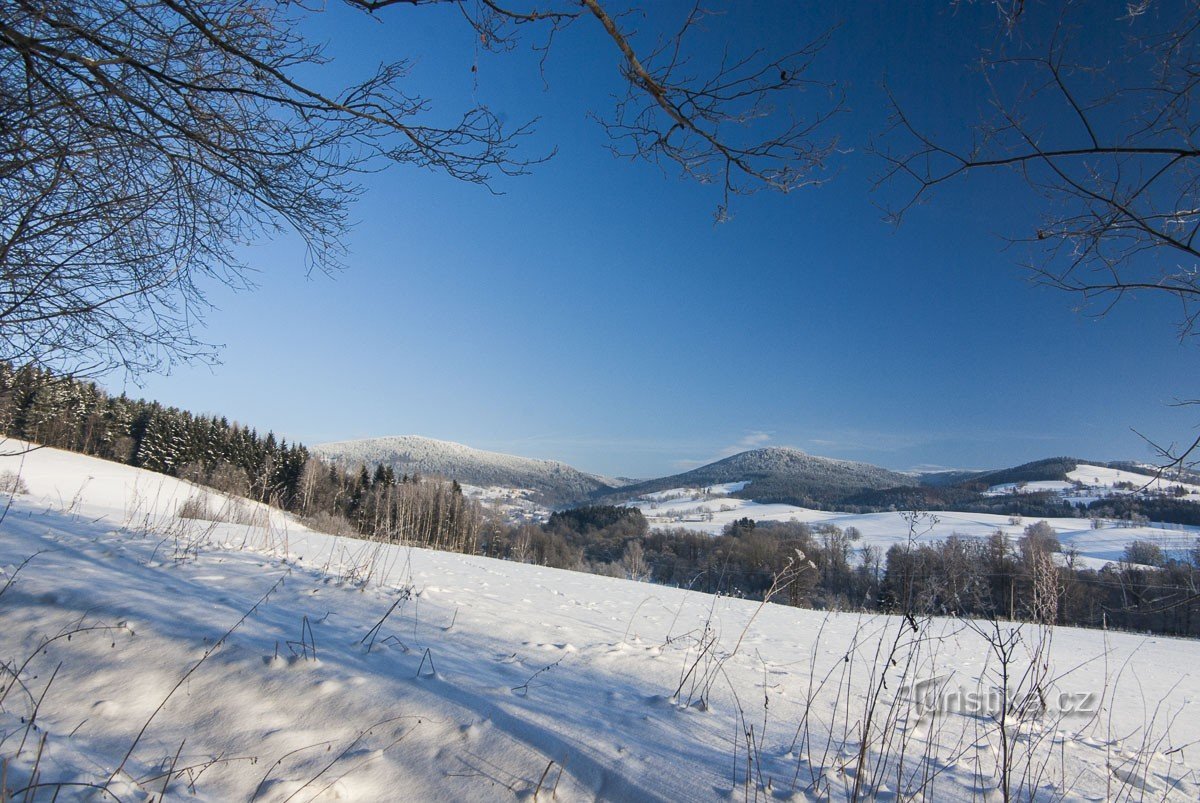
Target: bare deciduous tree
143	141
1096	109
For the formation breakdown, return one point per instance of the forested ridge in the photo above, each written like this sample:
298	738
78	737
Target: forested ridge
39	406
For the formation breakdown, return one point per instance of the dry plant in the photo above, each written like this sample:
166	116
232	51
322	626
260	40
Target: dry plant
368	641
28	704
704	658
881	721
889	718
325	778
12	484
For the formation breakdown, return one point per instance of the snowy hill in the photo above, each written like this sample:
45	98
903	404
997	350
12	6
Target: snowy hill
1088	482
1064	470
554	482
188	659
1045	470
778	472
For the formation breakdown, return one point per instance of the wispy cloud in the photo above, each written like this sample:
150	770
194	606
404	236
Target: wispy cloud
847	442
933	468
754	439
751	440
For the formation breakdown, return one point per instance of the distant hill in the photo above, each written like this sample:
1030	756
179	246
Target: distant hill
1047	470
948	478
555	482
772	474
1188	475
779	474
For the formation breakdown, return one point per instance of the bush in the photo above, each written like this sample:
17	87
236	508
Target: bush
325	522
12	484
1144	553
195	507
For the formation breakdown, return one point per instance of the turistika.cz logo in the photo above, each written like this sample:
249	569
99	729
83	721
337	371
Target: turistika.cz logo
938	695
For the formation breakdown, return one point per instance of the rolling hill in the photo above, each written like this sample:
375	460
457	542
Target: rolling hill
782	474
555	483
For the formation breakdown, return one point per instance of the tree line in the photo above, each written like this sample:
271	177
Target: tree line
1030	578
40	406
968	497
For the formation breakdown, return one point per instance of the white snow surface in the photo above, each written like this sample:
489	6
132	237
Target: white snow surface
698	509
1088	483
1105	477
249	659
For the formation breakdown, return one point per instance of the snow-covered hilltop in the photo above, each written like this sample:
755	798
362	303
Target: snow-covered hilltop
556	483
780	471
780	483
770	473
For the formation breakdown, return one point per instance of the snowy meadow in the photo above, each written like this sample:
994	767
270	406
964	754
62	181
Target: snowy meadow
232	654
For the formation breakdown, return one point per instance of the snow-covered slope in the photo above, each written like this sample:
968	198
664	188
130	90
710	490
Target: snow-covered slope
1108	479
131	498
209	661
1088	483
1057	473
555	482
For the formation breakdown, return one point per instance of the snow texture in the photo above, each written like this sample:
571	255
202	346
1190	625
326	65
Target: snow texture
223	661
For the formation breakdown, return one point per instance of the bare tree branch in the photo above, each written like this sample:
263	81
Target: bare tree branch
724	127
1108	143
143	141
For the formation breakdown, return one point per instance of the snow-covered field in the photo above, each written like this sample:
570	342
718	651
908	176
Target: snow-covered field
189	659
1088	483
694	509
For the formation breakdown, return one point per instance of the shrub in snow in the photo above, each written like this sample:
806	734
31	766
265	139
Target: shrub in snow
12	484
195	507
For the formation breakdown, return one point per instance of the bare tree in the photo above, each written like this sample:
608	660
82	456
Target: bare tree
1095	108
143	141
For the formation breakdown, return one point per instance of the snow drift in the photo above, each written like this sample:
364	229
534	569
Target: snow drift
148	655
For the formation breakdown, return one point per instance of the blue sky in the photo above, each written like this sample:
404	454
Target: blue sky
593	313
